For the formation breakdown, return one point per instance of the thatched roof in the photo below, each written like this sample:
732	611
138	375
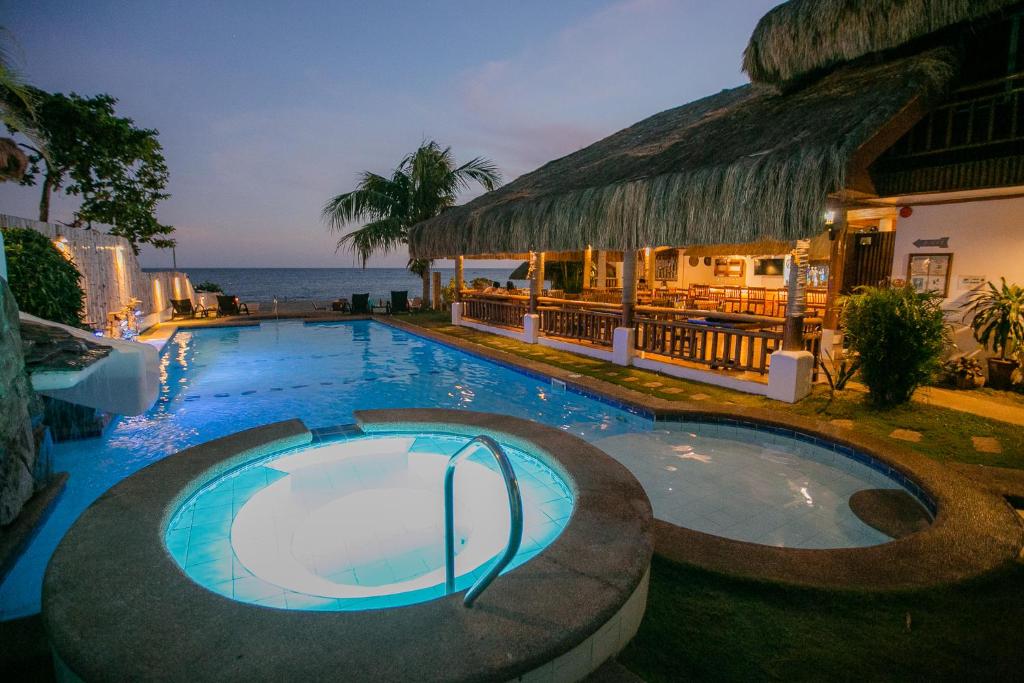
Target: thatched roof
803	36
745	165
13	161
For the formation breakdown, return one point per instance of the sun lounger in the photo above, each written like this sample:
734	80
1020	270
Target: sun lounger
229	305
183	308
361	304
399	302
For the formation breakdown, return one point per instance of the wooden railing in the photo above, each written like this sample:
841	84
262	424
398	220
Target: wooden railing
975	116
580	323
505	311
740	342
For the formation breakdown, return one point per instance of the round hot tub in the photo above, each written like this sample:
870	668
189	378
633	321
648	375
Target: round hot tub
284	552
358	522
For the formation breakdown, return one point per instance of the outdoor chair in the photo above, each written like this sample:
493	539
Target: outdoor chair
341	306
399	302
361	304
416	303
229	305
183	308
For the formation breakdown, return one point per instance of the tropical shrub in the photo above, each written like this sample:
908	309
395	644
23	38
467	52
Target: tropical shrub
997	320
44	282
964	372
207	286
898	334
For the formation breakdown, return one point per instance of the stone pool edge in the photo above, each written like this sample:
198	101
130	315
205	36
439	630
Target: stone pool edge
974	531
117	606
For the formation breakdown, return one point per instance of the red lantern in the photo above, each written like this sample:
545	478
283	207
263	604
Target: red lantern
906	211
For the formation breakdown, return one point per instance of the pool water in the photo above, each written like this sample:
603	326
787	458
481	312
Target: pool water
358	523
218	381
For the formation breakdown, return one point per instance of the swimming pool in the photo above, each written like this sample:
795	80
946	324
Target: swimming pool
743	484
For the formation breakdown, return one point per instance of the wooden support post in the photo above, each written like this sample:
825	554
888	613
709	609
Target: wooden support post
435	293
649	271
628	286
836	269
602	269
796	300
460	276
537	285
588	260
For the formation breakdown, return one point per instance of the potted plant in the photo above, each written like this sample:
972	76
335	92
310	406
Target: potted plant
997	319
964	372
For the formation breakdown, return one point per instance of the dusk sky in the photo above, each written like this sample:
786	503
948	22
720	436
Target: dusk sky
267	109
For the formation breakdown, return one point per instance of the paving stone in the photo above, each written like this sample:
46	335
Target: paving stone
700	397
630	379
906	435
986	444
652	385
611	374
671	390
842	423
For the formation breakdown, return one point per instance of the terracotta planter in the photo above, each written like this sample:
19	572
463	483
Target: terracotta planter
1000	373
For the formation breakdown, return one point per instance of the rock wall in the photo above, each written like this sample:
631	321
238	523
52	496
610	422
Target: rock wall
18	403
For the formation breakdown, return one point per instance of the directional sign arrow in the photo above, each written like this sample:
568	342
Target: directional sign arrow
940	242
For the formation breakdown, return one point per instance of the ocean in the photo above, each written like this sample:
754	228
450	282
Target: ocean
324	284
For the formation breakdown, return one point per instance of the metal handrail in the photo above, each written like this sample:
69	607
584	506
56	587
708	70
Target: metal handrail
515	504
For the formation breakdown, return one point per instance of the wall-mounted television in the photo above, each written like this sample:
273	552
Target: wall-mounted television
769	266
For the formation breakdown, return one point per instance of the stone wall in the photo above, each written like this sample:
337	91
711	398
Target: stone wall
111	276
18	403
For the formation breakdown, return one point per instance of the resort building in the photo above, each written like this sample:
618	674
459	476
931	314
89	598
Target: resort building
860	152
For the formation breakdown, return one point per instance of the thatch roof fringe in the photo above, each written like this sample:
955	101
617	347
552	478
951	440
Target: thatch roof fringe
803	36
746	165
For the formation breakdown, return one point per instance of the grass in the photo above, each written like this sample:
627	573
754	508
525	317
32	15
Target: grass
702	625
946	434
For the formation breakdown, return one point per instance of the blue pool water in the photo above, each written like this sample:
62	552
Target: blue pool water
358	523
737	483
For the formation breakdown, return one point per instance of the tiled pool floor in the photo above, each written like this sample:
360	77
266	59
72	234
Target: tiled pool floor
749	485
358	523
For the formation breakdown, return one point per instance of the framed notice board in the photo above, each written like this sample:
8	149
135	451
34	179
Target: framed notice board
930	272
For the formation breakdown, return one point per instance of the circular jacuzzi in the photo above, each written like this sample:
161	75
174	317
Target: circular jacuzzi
282	552
358	522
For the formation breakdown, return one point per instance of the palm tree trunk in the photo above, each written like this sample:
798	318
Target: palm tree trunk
44	200
426	286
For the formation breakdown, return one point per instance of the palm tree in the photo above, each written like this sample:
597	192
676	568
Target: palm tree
425	183
16	112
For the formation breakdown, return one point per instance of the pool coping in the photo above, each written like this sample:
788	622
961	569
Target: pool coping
973	532
117	606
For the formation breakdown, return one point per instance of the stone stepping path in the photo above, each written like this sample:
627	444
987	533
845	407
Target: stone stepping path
700	397
653	385
630	379
671	390
842	423
986	444
906	435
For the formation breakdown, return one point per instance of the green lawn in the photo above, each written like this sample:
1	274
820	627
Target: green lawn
946	434
706	626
